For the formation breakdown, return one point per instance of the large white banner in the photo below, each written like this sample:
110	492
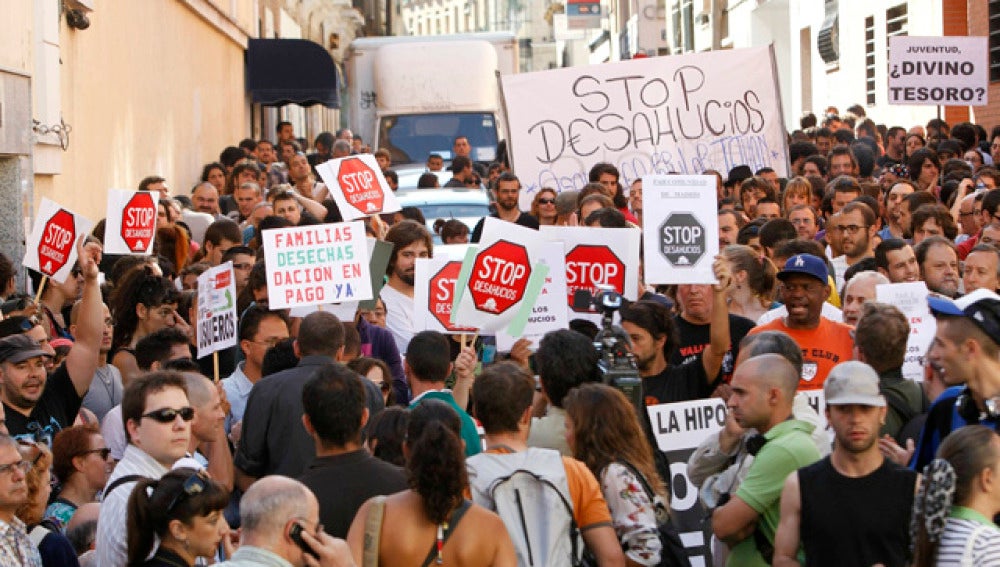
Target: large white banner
683	113
942	71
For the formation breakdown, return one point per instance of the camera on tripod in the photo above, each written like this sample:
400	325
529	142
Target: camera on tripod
617	364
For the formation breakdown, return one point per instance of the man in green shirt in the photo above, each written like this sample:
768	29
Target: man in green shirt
763	391
426	366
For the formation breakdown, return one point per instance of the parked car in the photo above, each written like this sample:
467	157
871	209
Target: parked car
466	205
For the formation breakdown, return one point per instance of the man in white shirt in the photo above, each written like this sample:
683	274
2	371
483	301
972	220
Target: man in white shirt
410	241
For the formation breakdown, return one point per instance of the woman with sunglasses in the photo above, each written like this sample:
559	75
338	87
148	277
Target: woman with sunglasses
82	464
54	548
141	303
378	372
543	206
184	510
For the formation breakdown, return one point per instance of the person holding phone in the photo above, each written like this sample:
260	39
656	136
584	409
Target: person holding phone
184	510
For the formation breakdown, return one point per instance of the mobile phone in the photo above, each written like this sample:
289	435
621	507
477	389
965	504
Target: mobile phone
296	534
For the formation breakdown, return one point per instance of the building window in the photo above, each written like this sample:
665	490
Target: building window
688	25
870	59
895	21
994	40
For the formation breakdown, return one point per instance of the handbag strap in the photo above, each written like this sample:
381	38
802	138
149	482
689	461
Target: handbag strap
373	532
456	516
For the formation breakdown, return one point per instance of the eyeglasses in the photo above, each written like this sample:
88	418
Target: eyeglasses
384	386
270	343
848	228
168	415
968	214
25	466
105	453
193	486
546	201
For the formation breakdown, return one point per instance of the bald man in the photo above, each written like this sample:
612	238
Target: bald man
208	436
857	291
763	393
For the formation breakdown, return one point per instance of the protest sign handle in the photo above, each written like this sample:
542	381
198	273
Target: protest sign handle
41	288
215	367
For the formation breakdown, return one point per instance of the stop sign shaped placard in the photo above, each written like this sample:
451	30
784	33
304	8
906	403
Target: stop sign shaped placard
56	245
589	265
499	276
360	186
139	222
682	239
442	293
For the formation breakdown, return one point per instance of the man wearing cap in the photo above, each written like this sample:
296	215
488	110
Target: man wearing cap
852	507
967	347
38	406
824	343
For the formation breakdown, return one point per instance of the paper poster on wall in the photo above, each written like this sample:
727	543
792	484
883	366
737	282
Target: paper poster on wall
131	222
357	185
216	317
51	248
680	114
316	265
939	71
680	229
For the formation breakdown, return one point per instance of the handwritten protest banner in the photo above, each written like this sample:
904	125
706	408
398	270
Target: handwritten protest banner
680	229
499	282
609	256
911	299
315	265
357	185
216	317
51	246
684	113
131	224
550	311
941	71
679	428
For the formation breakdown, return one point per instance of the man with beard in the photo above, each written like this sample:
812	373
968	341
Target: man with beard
938	263
652	332
824	343
893	199
507	190
894	259
410	241
856	225
763	394
852	507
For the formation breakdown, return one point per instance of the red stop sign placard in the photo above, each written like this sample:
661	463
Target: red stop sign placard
56	245
360	185
139	222
588	265
442	293
499	276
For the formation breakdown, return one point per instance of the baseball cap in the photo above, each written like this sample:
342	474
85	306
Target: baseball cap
982	306
18	348
805	264
852	382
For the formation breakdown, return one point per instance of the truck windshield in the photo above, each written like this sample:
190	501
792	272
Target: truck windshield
411	138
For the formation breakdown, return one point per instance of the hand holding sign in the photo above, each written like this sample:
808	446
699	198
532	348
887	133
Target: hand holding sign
89	257
723	273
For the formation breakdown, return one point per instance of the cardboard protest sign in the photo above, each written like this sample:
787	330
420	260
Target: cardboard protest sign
941	71
606	256
51	246
358	186
131	224
316	265
911	299
680	229
684	113
498	283
379	252
216	317
550	311
679	428
433	294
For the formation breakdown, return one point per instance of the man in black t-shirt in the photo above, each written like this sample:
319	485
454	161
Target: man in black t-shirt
694	328
651	329
39	406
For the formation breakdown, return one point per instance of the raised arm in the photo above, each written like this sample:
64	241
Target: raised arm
715	352
81	362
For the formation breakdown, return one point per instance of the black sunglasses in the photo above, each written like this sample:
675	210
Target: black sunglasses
168	415
546	201
105	453
193	486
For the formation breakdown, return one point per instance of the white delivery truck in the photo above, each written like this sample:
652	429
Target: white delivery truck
412	95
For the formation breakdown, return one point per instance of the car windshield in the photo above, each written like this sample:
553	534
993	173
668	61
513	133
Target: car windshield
410	139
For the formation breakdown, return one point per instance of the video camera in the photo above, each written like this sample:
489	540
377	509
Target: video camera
617	364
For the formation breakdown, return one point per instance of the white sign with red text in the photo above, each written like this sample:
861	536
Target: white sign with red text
550	312
911	299
131	225
316	265
358	186
51	246
216	317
